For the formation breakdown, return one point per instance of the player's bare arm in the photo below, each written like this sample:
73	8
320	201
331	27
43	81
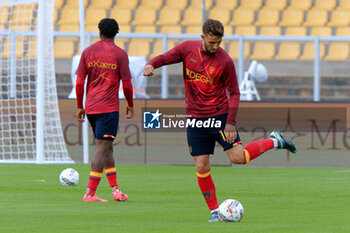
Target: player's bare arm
231	133
129	112
148	70
80	115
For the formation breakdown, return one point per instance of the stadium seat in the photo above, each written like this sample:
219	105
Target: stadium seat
63	49
252	5
123	16
228	30
246	30
233	50
321	31
19	27
303	5
275	4
263	51
194	30
288	51
93	16
267	17
158	47
292	17
326	5
129	4
98	4
316	18
270	31
91	28
242	17
342	31
58	4
344	5
309	51
177	29
23	13
145	29
178	4
139	47
69	27
295	31
198	4
4	14
227	5
144	16
6	52
31	50
168	16
69	16
124	28
220	14
74	4
339	18
338	51
192	16
151	4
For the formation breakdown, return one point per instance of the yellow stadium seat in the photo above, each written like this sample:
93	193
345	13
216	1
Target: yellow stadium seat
158	47
233	50
19	27
303	5
23	14
198	4
58	4
242	17
327	5
126	4
338	51
175	29
309	51
168	16
194	30
120	43
270	31
4	14
69	27
98	4
339	18
93	16
275	4
220	14
344	5
139	47
178	4
192	16
124	28
267	17
228	30
321	31
263	51
251	4
144	16
145	29
291	17
343	31
6	52
123	16
227	5
316	18
288	51
63	49
91	28
151	4
295	31
246	30
32	47
75	4
69	16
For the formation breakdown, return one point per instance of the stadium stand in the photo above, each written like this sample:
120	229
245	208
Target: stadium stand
64	49
344	5
75	4
220	14
122	15
227	5
169	16
242	17
291	17
144	16
192	16
326	5
267	17
178	4
303	5
139	47
339	18
151	4
316	18
93	16
129	4
275	4
338	51
98	4
198	4
252	5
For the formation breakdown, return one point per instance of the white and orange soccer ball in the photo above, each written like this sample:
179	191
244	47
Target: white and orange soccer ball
69	177
231	210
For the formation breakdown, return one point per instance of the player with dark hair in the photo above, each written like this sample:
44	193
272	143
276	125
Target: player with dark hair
208	71
104	64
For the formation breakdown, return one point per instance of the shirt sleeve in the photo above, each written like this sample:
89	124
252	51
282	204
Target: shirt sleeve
174	55
128	92
231	83
124	71
79	89
82	68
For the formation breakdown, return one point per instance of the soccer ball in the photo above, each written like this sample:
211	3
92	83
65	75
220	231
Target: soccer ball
69	177
231	210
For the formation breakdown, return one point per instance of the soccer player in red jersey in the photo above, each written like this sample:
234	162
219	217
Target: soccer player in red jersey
208	71
104	64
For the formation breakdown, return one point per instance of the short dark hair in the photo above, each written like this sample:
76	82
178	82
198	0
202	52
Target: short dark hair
108	27
213	27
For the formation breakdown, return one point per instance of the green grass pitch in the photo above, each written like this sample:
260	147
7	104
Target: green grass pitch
167	199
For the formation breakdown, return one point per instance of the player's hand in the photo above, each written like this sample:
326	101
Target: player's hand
231	133
80	115
129	112
148	70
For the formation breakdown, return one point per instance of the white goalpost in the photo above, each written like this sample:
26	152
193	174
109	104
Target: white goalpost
30	126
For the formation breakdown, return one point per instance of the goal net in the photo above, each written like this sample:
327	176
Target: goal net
30	126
